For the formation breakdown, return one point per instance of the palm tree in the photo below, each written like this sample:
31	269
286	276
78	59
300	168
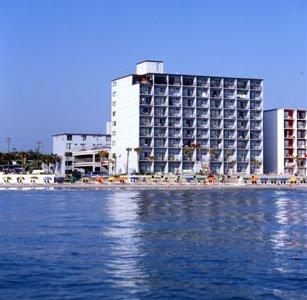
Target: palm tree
188	151
128	149
103	155
151	159
138	151
256	163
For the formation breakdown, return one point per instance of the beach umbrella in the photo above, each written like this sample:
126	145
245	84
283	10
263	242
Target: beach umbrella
47	179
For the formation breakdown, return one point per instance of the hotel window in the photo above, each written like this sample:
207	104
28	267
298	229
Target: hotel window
114	83
114	103
68	146
114	133
83	137
114	123
69	137
114	113
113	143
114	93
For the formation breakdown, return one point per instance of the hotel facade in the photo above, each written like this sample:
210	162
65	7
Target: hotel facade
175	122
285	141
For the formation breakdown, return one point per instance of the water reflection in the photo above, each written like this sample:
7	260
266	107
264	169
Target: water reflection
122	234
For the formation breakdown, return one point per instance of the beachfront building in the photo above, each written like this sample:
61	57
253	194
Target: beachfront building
65	144
90	161
174	122
285	141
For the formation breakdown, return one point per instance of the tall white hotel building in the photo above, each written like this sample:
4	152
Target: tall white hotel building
285	138
222	117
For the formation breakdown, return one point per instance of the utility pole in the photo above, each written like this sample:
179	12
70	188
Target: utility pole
9	142
39	145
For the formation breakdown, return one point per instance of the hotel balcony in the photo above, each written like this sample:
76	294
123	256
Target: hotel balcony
242	135
229	95
256	116
188	123
160	90
229	124
288	114
174	112
243	145
228	104
301	144
230	134
255	95
215	93
288	124
256	125
255	105
159	132
256	135
145	111
159	157
242	115
174	133
243	105
301	124
202	133
216	83
145	90
255	84
146	121
229	114
188	133
187	102
301	115
146	142
202	123
145	132
242	95
174	101
160	112
203	81
256	145
160	101
202	103
160	143
230	145
145	101
229	83
174	92
242	84
216	134
188	81
160	122
301	153
243	125
174	80
215	124
301	134
174	143
174	158
187	92
160	79
203	144
202	93
216	114
202	113
216	104
174	122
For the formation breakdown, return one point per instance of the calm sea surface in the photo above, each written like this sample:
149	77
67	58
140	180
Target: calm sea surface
153	244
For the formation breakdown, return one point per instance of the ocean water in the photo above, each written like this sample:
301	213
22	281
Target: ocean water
200	244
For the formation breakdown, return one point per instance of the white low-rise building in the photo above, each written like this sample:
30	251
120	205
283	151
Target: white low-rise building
285	141
64	144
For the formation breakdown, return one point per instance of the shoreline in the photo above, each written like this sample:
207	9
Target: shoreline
94	186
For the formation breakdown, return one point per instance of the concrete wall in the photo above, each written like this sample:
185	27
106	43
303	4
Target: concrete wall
125	123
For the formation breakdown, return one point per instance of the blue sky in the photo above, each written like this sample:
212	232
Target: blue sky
57	58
